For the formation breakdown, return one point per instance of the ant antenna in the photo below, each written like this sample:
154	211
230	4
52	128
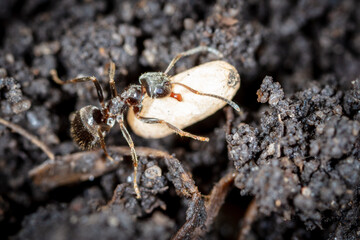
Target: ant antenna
231	103
191	52
194	51
111	79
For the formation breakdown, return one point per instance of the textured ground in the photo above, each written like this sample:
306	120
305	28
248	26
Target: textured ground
294	149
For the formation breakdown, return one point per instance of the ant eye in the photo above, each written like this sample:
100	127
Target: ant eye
159	91
162	91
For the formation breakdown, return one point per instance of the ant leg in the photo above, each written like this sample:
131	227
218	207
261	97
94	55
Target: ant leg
231	103
191	52
103	146
111	77
98	87
172	127
133	155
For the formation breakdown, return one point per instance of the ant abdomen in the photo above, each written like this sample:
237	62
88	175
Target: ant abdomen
85	127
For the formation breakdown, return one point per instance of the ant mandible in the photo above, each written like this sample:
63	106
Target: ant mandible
91	124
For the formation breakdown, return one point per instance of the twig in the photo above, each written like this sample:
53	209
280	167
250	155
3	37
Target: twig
249	218
29	136
82	166
215	200
217	197
195	218
185	186
229	119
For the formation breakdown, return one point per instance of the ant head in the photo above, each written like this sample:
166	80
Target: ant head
86	125
156	84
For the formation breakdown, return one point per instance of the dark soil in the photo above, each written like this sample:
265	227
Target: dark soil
287	166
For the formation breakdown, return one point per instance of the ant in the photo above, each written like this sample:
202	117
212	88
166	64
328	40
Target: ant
91	124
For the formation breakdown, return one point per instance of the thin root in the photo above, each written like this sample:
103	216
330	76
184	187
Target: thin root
33	139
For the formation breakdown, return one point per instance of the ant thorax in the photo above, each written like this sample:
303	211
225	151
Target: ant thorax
115	106
132	96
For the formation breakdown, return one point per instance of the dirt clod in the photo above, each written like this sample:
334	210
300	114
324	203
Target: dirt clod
299	152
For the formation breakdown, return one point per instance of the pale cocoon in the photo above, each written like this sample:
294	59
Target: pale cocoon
217	77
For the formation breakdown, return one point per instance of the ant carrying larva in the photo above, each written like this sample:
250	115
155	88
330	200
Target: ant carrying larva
91	124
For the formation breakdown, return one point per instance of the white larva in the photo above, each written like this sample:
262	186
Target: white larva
216	77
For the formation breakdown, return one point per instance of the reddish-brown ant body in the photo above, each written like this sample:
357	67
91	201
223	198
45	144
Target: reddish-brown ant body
91	124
